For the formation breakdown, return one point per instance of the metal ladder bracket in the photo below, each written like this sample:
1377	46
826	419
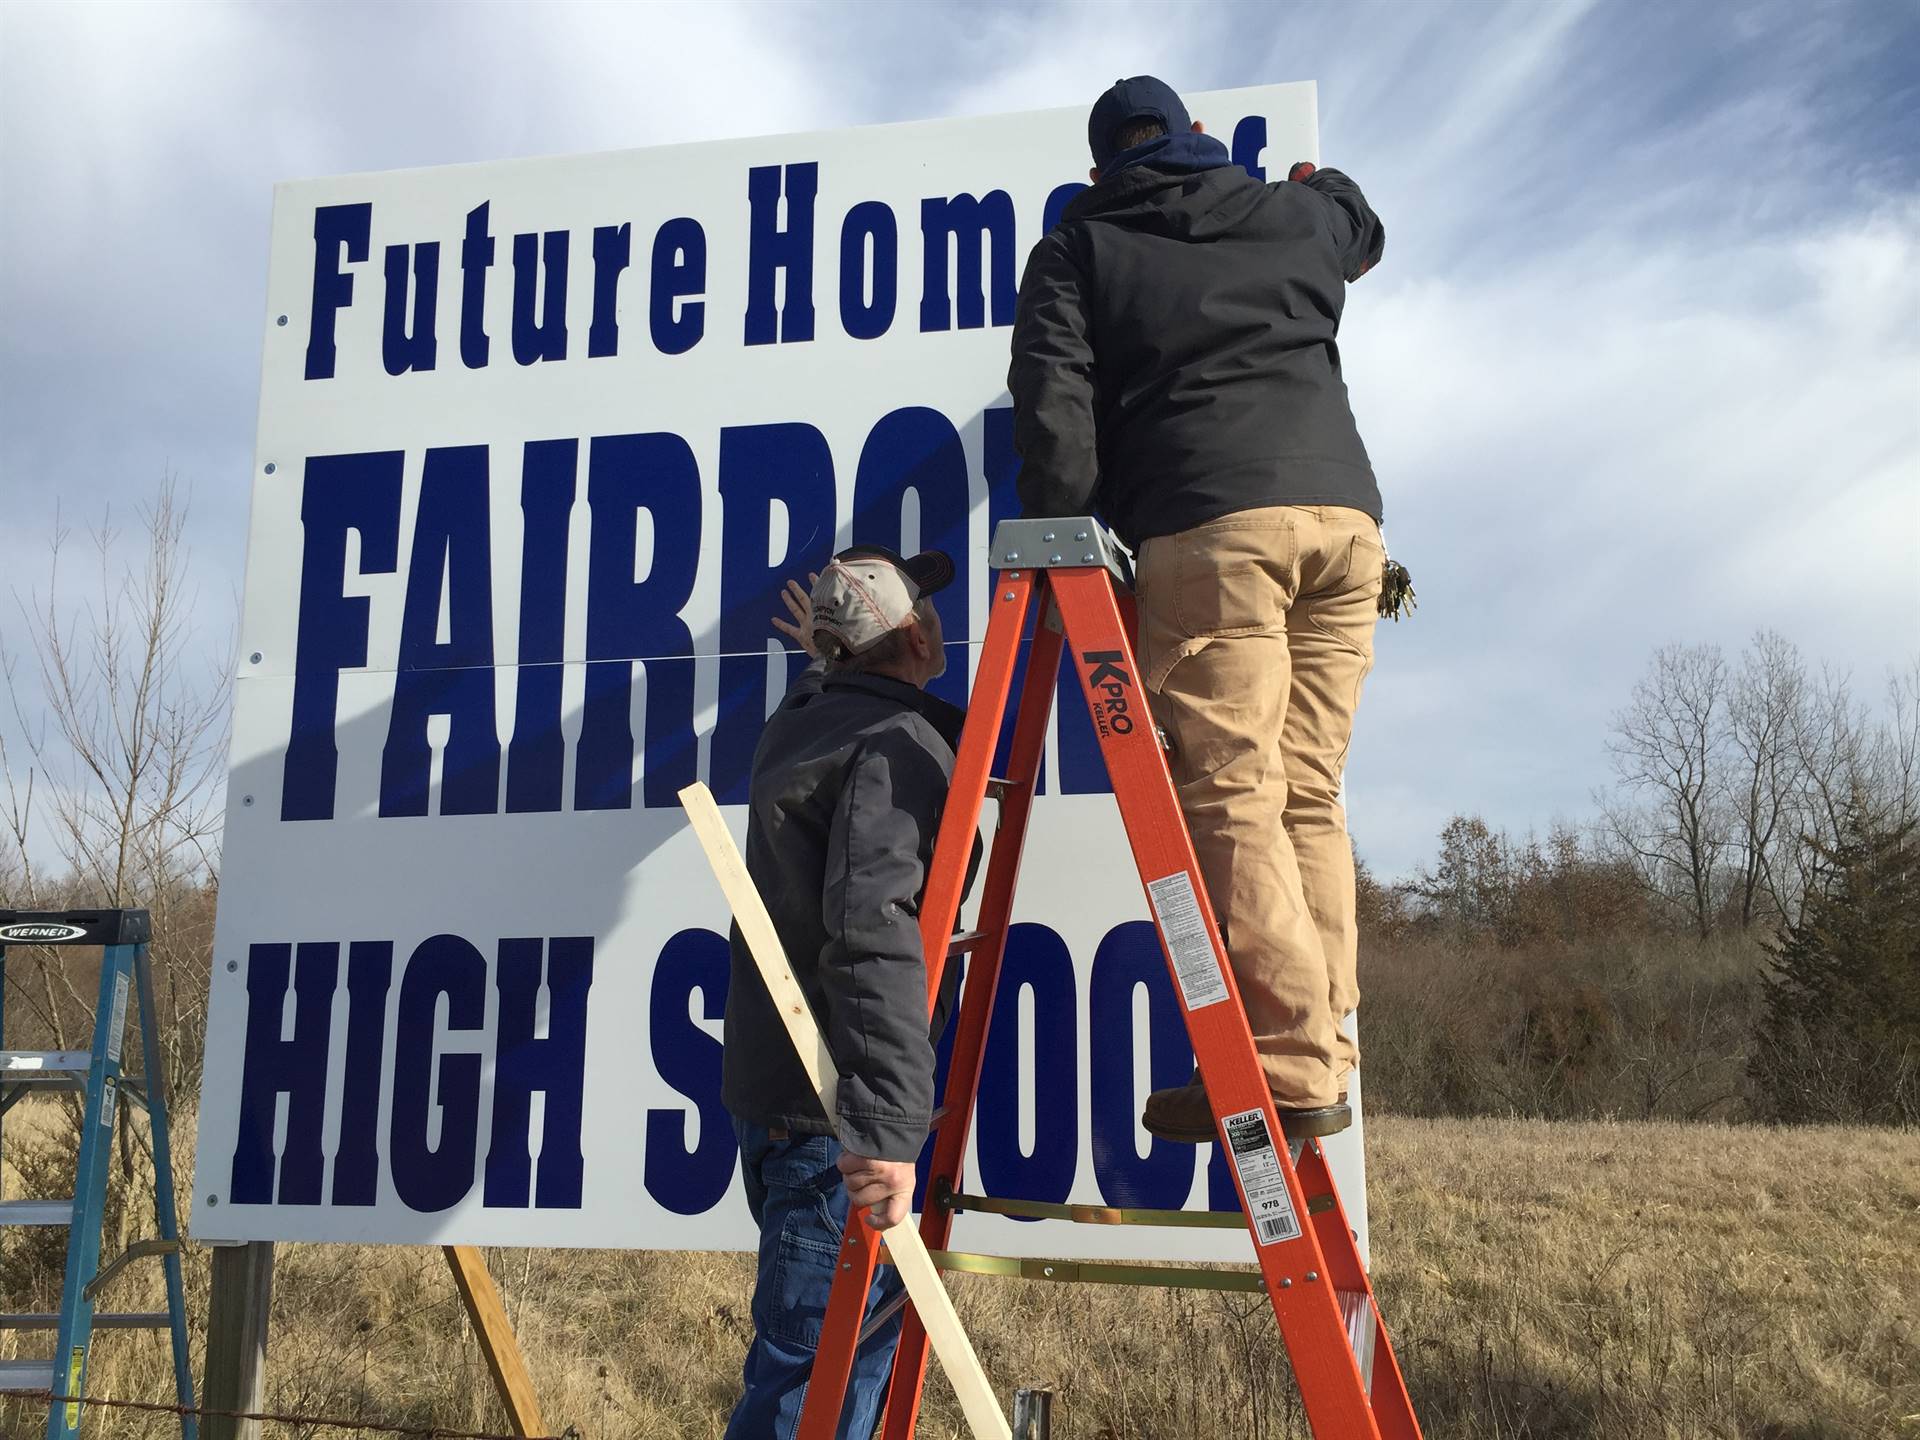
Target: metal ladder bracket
138	1250
1071	541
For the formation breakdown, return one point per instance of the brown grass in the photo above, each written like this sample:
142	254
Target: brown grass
1541	1279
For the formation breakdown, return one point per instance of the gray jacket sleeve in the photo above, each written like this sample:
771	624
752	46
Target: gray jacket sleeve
1051	381
873	973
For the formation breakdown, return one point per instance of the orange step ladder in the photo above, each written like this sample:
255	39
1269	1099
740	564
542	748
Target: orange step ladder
1064	572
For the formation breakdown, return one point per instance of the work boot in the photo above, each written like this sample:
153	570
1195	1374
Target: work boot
1184	1116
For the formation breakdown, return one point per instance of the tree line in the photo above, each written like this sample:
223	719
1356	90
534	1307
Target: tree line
1735	933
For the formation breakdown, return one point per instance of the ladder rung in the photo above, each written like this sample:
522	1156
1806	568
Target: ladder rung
998	787
133	1320
1095	1214
26	1374
1086	1272
36	1212
18	1065
20	1086
968	940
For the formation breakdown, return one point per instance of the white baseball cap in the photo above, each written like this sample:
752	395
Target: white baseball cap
868	591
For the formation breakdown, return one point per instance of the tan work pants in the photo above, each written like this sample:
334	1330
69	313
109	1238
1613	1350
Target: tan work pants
1256	632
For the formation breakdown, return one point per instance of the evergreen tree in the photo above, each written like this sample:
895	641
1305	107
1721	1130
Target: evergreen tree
1838	1038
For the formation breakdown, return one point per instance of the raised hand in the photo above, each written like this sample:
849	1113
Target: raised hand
800	606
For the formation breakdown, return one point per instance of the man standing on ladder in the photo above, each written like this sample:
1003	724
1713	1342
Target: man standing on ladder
847	787
1175	370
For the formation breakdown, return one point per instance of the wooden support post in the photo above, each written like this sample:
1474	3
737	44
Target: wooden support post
497	1341
237	1308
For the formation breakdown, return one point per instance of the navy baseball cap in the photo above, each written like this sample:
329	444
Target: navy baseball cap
1141	98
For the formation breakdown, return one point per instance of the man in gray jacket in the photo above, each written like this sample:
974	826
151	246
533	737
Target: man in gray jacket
848	783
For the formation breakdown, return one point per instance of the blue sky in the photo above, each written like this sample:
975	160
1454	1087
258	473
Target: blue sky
1642	363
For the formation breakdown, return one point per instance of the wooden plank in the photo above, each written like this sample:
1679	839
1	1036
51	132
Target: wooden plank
235	1378
935	1307
908	1251
497	1341
750	912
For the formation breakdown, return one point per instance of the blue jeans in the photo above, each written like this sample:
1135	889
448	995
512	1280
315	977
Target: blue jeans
797	1200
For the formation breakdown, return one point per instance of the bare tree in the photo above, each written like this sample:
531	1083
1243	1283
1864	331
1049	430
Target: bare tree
1464	889
1760	784
117	769
1830	740
1668	751
1893	755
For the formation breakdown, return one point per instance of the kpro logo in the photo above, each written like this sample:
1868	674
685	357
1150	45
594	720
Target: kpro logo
1109	682
38	933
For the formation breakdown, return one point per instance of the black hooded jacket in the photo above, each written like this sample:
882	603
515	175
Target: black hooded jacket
1174	357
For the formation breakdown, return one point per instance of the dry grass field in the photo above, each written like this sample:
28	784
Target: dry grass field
1633	1282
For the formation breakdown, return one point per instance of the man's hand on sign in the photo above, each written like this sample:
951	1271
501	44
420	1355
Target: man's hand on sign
884	1187
1302	172
800	606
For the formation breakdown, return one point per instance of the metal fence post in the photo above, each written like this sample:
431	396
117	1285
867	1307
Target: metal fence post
1032	1415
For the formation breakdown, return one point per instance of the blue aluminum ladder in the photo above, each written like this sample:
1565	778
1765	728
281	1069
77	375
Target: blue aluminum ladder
124	974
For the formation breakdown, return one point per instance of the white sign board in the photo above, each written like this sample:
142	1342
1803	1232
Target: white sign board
539	442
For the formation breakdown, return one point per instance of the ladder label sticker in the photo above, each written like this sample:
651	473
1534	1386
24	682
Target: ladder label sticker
117	1027
76	1367
1261	1178
1177	909
109	1098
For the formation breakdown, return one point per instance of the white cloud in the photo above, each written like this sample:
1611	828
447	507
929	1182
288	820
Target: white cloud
1641	364
1606	451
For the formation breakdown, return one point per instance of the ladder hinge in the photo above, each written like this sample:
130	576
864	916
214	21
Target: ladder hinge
139	1250
1066	542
